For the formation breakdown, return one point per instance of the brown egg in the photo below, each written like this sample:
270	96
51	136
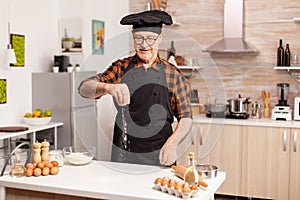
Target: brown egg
30	166
164	181
48	164
157	180
178	186
171	183
37	172
186	188
45	171
54	170
54	163
194	187
29	172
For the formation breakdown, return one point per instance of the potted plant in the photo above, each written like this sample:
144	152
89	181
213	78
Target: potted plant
67	42
77	67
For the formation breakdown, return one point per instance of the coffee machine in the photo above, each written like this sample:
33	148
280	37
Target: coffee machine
62	62
282	110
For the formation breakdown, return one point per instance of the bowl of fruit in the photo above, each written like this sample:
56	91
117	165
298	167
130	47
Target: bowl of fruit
38	117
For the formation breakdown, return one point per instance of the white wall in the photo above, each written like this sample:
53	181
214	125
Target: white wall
38	21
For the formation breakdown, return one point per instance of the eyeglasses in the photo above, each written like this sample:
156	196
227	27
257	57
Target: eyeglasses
149	40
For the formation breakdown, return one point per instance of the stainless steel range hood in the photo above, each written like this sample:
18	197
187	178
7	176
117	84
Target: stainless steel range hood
233	40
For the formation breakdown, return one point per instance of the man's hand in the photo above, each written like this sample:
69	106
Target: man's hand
121	94
168	154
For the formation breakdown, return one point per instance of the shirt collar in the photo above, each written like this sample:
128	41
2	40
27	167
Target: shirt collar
139	63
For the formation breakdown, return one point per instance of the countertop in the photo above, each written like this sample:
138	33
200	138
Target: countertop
247	122
107	180
31	129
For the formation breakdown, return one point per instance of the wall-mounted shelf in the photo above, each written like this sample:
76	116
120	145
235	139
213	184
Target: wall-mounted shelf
292	70
189	67
288	68
296	19
189	71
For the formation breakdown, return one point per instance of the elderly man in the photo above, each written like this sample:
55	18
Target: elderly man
148	93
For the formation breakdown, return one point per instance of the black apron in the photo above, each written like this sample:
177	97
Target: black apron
148	117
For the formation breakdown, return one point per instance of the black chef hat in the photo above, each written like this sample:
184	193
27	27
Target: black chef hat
151	20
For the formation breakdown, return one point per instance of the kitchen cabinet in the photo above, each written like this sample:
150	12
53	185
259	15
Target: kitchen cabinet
294	192
265	162
271	162
226	155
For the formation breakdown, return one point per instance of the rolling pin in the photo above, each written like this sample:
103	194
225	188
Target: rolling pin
180	170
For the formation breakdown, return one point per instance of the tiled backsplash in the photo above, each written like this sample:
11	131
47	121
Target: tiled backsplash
265	22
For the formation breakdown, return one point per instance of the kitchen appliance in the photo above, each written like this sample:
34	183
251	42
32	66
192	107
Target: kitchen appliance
233	34
297	108
282	110
59	93
62	62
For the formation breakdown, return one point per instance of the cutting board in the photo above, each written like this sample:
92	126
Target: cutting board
9	129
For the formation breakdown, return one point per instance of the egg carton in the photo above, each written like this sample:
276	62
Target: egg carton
177	193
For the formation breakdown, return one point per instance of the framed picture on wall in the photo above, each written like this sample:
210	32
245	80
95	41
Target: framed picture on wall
3	91
70	35
18	44
98	36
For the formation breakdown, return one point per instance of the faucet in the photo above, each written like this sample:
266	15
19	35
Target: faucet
11	153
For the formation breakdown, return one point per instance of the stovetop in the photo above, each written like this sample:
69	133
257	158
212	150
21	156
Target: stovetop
228	115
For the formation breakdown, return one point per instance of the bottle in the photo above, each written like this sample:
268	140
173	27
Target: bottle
287	56
191	175
18	170
171	51
280	54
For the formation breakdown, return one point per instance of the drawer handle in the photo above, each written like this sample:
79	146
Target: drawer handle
295	141
284	140
201	134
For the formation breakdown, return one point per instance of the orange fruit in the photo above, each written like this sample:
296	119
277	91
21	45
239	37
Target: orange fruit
36	114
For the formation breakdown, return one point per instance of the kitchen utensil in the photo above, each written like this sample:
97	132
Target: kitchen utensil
266	98
255	113
79	155
13	128
239	105
207	171
215	107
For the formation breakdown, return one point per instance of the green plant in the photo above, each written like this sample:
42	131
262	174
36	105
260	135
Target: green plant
66	38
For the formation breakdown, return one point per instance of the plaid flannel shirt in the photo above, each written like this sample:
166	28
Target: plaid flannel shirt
177	86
